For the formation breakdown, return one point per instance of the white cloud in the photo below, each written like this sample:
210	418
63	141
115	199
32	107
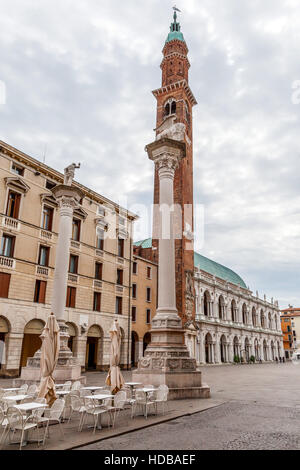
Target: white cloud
78	78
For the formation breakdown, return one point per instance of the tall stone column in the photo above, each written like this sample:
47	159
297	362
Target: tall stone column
68	367
167	359
68	198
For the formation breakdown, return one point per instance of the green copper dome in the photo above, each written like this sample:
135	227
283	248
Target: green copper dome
207	265
175	32
218	270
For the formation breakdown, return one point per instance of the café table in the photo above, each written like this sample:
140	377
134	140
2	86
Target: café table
93	388
28	408
133	386
99	397
16	398
12	389
63	392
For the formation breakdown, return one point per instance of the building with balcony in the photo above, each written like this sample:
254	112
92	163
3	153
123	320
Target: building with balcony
99	265
290	325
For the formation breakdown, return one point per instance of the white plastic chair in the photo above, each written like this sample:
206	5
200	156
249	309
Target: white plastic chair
53	414
119	405
77	405
3	424
23	389
67	386
18	422
32	390
142	402
76	385
93	409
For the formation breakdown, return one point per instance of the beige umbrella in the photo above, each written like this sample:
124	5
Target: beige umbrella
114	378
49	356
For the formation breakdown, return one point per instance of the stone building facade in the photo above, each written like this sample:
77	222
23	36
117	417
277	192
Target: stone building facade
99	269
143	303
232	323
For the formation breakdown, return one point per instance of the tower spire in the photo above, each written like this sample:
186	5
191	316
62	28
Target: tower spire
175	28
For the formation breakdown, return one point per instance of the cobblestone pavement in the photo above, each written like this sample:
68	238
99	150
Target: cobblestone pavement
232	426
262	412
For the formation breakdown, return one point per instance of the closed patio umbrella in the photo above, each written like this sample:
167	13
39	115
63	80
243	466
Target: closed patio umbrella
114	378
49	357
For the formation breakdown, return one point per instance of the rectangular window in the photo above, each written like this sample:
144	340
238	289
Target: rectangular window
148	316
120	277
134	267
288	328
50	185
7	246
97	302
134	291
148	297
13	205
76	230
148	272
4	285
133	314
19	170
98	271
101	210
100	239
47	218
119	305
121	247
71	297
122	221
73	265
44	255
40	292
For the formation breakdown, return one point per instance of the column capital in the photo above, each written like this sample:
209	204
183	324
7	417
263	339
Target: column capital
166	154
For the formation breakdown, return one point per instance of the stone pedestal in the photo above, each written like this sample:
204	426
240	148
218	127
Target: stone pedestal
68	367
167	359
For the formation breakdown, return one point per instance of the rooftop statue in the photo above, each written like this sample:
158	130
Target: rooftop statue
70	173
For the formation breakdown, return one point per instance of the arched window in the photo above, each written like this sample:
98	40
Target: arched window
244	311
276	322
233	311
254	316
270	321
262	319
206	303
221	308
208	349
170	107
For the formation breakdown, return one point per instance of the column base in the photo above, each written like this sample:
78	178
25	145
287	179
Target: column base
181	384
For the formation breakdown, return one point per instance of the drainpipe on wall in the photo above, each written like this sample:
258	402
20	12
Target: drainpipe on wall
129	304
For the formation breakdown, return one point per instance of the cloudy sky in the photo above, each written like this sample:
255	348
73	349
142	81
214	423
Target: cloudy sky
79	76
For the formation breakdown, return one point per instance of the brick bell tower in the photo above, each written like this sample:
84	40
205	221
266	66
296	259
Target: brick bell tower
175	102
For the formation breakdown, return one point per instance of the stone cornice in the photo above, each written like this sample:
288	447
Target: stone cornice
182	84
49	172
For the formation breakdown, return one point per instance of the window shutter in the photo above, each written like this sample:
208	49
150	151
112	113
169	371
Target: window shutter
72	297
4	285
17	206
42	295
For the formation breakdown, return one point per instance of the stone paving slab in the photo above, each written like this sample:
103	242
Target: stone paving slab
235	425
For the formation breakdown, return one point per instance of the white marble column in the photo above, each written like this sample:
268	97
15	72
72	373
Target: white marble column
167	165
68	198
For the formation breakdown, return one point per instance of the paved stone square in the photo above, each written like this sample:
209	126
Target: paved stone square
251	407
262	411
